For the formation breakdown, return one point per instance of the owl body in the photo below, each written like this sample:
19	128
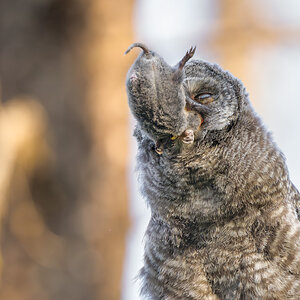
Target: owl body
224	221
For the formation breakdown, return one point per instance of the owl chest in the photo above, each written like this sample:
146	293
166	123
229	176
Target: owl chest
225	266
173	178
169	275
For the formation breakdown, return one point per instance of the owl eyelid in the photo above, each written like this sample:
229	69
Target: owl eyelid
203	95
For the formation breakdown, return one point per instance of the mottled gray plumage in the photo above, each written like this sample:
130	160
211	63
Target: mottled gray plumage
224	221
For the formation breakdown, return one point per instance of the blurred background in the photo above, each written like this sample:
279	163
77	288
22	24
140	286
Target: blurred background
72	219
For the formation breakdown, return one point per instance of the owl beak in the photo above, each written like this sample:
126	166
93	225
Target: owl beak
191	105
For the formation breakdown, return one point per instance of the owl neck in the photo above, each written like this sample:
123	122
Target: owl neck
218	179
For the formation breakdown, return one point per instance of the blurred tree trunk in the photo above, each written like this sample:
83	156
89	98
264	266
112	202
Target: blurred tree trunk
108	33
64	235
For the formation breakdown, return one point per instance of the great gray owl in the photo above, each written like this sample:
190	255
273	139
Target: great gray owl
224	213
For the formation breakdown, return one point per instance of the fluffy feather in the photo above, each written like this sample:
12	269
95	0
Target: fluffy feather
224	221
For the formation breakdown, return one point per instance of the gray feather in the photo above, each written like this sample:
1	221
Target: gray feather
224	213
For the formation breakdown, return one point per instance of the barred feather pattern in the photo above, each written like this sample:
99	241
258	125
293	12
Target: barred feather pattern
224	213
224	221
234	235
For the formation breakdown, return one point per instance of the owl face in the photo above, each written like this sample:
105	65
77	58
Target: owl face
184	101
216	95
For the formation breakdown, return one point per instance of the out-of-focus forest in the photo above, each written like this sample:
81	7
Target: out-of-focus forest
63	148
71	218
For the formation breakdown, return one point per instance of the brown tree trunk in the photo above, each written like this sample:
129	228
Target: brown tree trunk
108	32
64	237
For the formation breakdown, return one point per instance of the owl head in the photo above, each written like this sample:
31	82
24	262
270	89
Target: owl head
199	97
193	95
215	94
